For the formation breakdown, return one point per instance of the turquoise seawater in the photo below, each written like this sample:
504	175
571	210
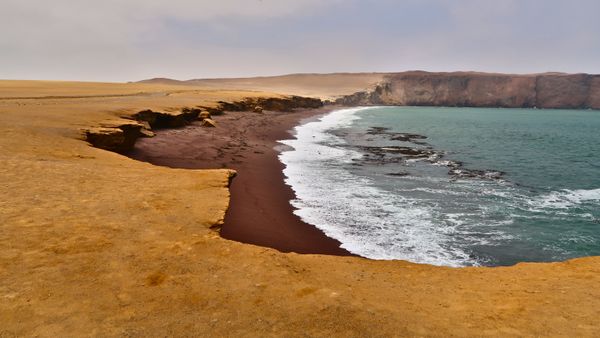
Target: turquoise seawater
452	186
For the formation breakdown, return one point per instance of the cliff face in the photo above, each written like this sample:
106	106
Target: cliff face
281	104
565	91
120	135
549	90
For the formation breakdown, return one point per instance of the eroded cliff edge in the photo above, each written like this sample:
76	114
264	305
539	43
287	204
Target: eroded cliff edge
469	89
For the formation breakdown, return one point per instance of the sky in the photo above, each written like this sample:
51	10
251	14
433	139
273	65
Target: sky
130	40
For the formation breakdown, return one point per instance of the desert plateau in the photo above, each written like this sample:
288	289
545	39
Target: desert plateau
299	168
96	243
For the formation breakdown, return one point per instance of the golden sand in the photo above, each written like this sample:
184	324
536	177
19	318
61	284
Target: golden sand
325	86
93	243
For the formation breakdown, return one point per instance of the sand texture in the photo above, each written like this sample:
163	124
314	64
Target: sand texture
93	243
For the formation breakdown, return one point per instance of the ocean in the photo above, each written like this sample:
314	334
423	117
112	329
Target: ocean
451	186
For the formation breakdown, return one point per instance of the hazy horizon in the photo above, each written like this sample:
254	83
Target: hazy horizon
119	41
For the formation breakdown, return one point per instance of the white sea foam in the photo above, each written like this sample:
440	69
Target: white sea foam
367	220
444	163
565	199
424	217
438	191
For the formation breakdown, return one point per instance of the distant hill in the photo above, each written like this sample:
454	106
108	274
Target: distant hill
162	80
420	88
325	86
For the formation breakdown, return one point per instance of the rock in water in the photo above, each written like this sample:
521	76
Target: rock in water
399	174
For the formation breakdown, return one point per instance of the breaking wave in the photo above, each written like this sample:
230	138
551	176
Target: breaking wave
348	184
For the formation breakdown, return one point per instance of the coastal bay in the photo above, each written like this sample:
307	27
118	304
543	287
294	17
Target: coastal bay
299	168
97	244
260	212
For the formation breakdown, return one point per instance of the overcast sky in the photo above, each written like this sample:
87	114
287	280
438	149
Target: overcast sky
127	40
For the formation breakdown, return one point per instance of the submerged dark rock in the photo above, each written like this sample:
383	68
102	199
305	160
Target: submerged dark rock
406	151
407	137
394	136
407	155
378	130
399	174
401	154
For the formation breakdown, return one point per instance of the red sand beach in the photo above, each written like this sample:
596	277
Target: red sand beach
260	212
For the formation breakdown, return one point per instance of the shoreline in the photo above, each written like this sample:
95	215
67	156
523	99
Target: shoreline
260	211
96	242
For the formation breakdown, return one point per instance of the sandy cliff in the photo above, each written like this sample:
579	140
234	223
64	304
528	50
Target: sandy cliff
93	243
464	89
419	88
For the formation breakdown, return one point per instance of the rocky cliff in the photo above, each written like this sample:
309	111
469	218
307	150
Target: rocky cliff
467	89
120	135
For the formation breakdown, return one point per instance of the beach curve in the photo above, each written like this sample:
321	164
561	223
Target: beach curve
95	243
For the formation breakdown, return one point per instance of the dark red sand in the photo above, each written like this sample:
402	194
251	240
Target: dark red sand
260	212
